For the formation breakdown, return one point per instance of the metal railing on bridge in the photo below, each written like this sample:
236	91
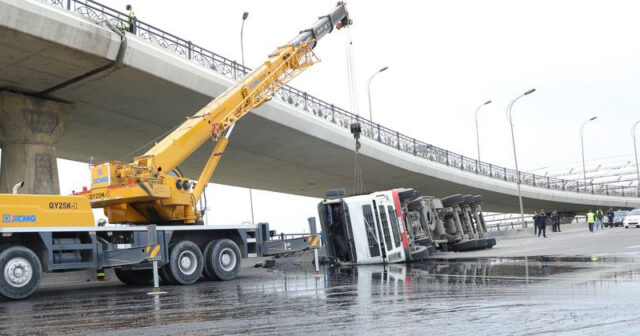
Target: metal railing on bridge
321	109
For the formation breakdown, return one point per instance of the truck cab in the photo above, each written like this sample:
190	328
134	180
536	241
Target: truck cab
362	229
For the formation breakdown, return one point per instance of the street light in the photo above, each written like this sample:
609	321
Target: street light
478	133
584	170
515	157
369	89
635	149
245	15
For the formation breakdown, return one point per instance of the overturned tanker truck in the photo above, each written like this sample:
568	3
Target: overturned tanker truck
399	225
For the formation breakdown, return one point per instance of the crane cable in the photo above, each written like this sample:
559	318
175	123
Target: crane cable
358	185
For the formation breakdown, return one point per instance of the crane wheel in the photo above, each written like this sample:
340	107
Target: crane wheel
222	260
185	263
165	275
21	272
142	277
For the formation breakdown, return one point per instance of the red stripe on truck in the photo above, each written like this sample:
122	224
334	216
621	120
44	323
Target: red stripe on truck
396	202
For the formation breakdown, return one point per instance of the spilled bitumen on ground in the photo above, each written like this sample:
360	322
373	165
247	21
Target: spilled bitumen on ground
509	296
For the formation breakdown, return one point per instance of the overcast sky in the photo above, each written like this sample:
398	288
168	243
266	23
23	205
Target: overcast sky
445	58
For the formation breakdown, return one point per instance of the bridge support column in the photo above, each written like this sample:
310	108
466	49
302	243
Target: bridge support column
29	130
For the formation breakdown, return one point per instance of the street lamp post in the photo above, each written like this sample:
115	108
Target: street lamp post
477	132
515	156
584	170
245	15
369	90
635	150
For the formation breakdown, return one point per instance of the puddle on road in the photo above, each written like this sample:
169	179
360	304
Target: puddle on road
455	297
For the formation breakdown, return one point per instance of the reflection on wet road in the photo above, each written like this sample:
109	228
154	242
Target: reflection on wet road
479	297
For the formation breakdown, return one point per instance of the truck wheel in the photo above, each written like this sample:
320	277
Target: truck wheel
222	260
452	200
185	263
410	194
21	272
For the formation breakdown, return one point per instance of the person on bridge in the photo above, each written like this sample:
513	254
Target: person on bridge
610	215
599	217
541	223
130	23
591	219
555	220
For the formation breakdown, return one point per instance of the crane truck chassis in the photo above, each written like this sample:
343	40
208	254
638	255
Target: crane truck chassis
151	207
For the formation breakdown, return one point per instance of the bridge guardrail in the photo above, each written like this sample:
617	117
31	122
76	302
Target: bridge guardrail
321	109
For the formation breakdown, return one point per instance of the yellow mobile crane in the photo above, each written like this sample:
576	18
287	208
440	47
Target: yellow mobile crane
58	233
151	190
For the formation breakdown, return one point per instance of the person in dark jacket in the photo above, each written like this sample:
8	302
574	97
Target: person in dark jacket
610	215
535	223
541	223
555	220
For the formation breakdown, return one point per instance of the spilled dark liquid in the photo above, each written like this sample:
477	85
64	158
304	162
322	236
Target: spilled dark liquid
515	296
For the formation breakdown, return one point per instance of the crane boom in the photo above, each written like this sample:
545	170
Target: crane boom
146	191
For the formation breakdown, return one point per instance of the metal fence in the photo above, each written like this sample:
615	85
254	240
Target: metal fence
331	113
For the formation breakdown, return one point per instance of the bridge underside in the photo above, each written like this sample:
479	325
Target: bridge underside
149	91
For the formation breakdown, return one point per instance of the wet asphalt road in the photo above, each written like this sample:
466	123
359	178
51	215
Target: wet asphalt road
478	297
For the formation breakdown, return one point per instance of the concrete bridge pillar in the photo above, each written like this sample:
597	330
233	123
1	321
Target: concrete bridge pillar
29	130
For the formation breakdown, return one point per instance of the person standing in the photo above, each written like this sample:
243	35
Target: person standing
599	217
610	215
535	223
555	220
591	219
130	23
541	222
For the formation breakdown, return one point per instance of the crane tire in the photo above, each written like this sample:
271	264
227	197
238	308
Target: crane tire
185	263
165	275
222	260
21	272
123	276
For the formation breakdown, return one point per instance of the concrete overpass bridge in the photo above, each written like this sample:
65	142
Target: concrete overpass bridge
76	87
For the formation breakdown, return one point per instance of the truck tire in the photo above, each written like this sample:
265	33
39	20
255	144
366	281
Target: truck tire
452	200
410	194
468	199
185	263
478	199
222	260
21	272
466	245
142	277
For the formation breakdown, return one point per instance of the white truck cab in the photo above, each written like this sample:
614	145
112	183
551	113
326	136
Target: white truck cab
364	229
